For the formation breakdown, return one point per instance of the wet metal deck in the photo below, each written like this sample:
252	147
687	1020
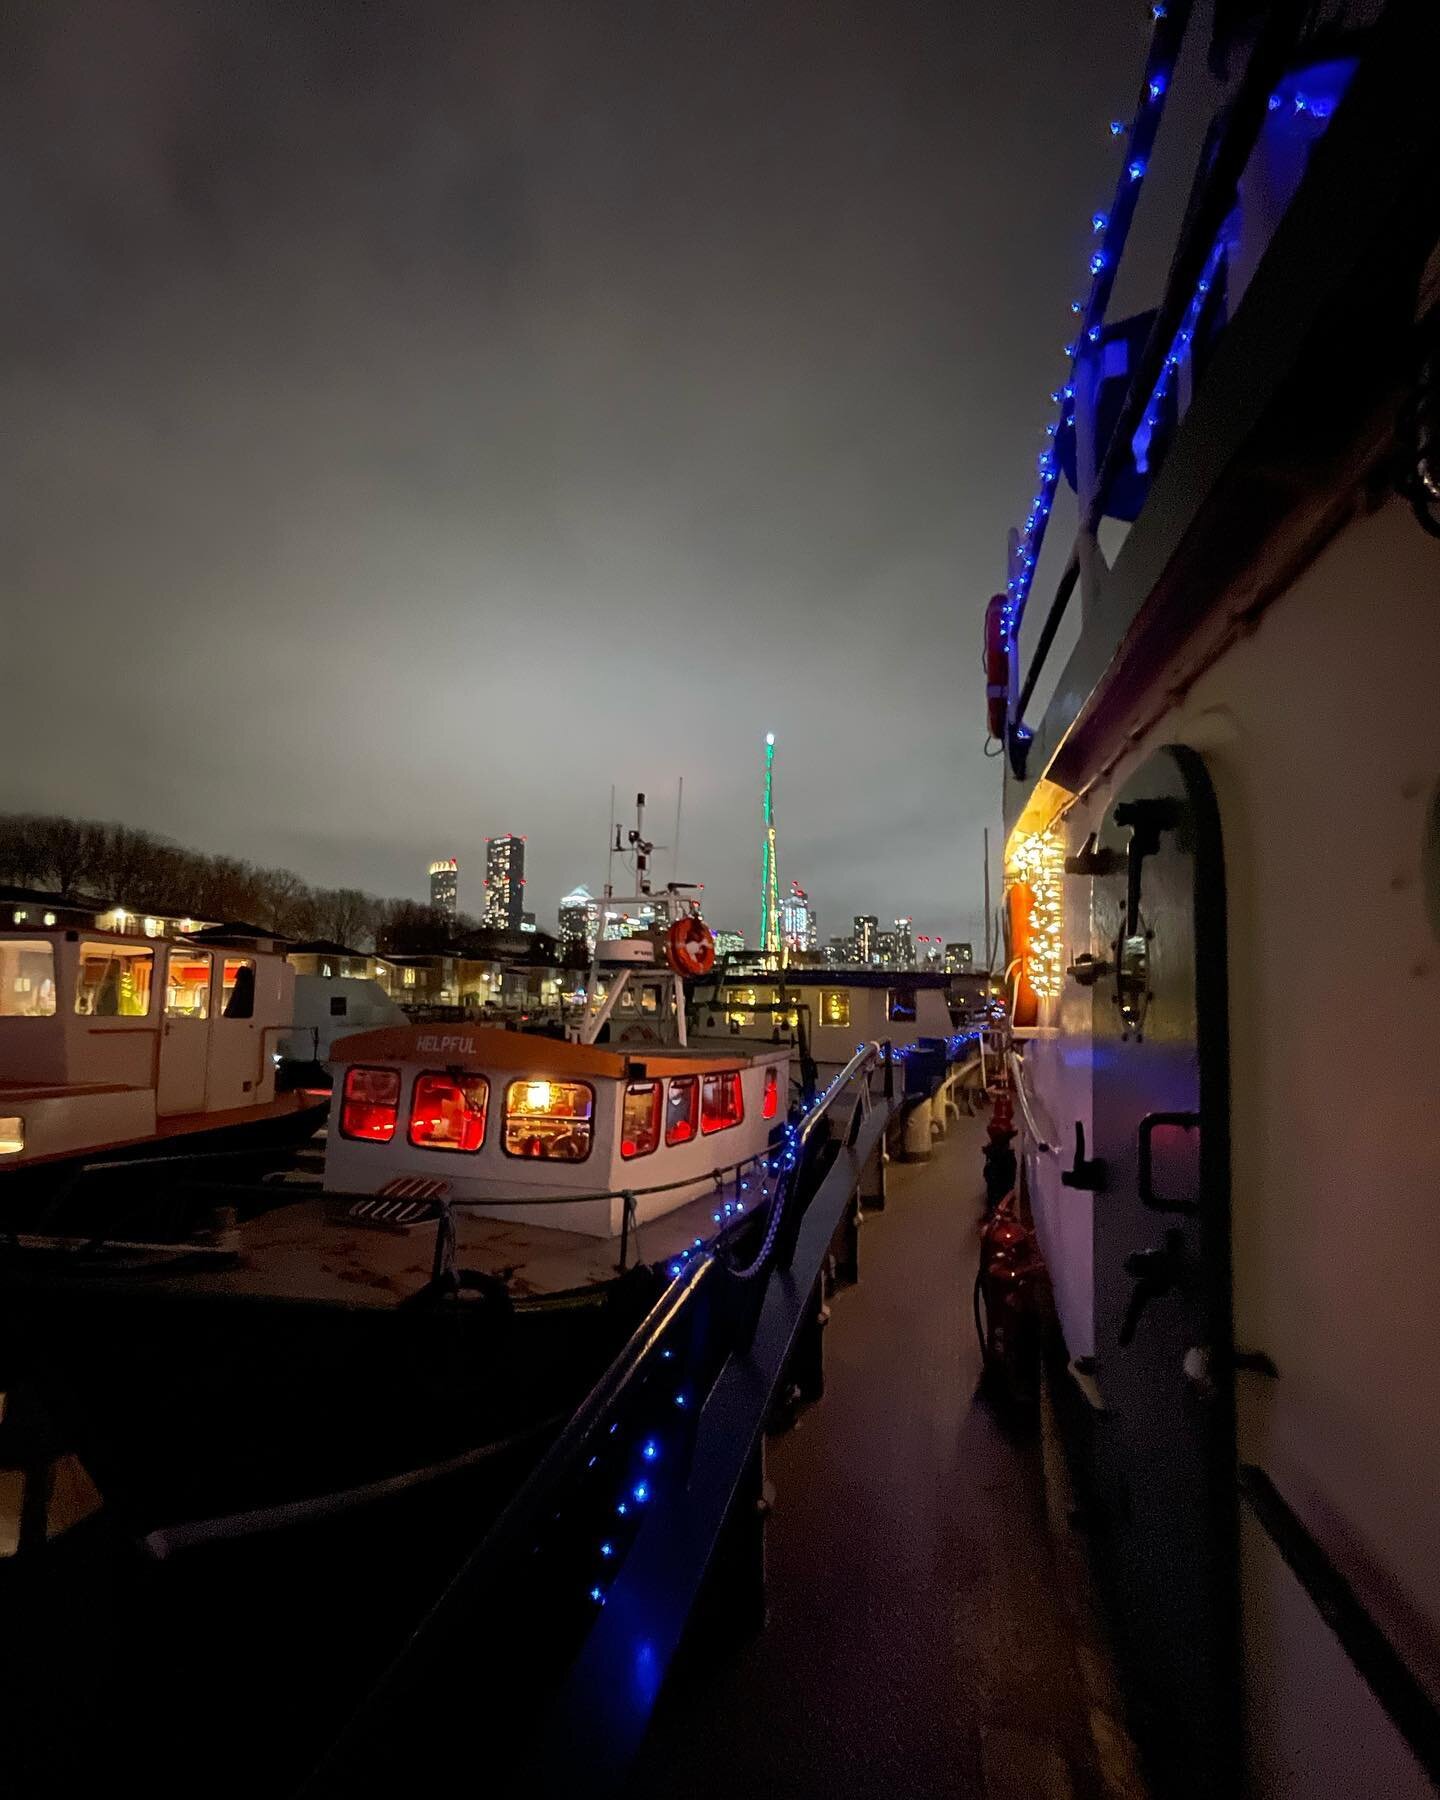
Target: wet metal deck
923	1636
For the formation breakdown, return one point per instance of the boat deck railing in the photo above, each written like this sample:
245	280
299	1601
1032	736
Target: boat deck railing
1170	346
645	1517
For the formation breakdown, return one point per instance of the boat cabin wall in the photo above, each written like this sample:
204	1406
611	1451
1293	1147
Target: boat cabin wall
1320	731
488	1176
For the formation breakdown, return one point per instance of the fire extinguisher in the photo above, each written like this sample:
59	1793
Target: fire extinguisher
1007	1305
999	1156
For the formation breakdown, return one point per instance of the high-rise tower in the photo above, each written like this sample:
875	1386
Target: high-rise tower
445	886
770	939
504	882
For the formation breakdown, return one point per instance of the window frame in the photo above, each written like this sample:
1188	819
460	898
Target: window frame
692	1082
356	1137
114	952
519	1155
446	1075
178	953
22	946
225	995
726	1077
770	1093
841	995
657	1115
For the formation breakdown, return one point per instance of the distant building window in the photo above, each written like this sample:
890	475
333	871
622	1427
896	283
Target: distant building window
187	985
447	1112
409	978
682	1109
721	1103
549	1119
114	981
640	1122
27	981
237	988
902	1006
835	1008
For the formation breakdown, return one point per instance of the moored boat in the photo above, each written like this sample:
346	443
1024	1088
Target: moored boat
115	1043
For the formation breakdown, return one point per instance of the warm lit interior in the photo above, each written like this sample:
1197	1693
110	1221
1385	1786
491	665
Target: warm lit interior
721	1103
551	1120
682	1109
12	1136
27	980
187	984
370	1105
835	1009
447	1112
640	1122
114	981
237	988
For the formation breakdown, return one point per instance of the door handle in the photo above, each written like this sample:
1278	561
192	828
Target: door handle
1088	1172
1144	1181
1157	1272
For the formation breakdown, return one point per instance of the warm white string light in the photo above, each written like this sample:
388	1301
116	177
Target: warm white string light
1039	861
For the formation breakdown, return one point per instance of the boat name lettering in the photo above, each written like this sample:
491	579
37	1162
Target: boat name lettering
437	1042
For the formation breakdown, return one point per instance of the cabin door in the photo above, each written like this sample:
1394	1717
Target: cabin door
1165	1461
184	1032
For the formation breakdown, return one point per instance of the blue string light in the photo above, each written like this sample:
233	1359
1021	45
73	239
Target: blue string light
1180	348
1022	575
650	1450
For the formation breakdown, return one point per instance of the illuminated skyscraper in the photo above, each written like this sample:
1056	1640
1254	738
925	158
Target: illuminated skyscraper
798	925
579	921
445	886
504	882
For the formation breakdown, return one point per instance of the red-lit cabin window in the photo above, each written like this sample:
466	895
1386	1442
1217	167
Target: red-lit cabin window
447	1112
721	1103
770	1105
549	1119
640	1122
370	1105
682	1109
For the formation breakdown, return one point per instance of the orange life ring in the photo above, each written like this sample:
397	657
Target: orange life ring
690	947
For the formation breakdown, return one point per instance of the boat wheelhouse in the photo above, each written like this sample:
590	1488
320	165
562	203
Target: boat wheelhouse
115	1041
543	1132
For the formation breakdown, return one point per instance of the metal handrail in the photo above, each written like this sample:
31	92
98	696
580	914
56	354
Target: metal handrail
542	1497
1017	1081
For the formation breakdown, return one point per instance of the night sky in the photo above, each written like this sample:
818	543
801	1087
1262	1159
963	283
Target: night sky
420	416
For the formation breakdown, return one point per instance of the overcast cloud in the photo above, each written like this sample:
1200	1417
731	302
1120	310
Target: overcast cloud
419	417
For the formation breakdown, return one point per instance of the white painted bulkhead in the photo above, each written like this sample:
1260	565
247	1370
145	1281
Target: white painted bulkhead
1321	734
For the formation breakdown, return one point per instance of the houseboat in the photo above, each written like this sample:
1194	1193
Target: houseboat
1223	869
827	1011
116	1042
497	1211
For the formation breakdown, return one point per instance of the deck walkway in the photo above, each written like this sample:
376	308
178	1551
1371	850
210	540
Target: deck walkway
926	1635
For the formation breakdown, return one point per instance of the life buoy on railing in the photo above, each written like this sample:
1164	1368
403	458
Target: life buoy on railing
690	947
997	667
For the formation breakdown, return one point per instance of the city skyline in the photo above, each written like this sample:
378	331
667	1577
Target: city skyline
470	381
